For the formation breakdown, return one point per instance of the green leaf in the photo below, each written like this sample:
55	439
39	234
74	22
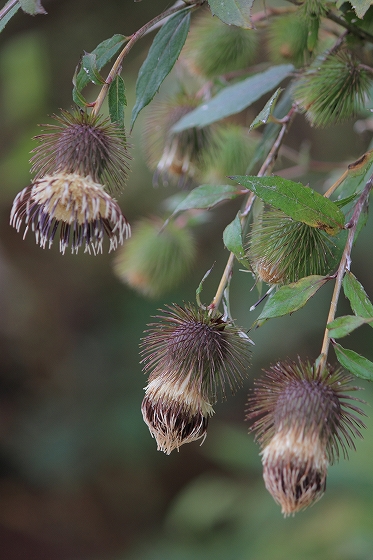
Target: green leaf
357	174
266	112
360	6
4	20
233	12
343	326
78	98
355	293
89	65
300	203
232	238
32	7
104	52
292	297
233	99
207	196
161	58
117	101
353	362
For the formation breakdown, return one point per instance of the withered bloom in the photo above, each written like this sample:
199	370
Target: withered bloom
176	157
191	355
74	163
302	418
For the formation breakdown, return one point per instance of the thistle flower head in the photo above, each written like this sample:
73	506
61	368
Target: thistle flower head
190	356
154	260
332	90
84	144
81	207
175	157
287	39
281	250
302	418
214	48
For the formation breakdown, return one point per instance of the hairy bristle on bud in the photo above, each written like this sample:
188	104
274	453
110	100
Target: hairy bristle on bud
175	157
81	207
85	144
281	250
332	90
191	356
301	419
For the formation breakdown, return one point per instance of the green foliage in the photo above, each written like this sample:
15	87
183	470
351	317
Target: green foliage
287	40
354	362
117	101
233	12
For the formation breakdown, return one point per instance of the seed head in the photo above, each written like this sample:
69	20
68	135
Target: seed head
302	420
84	144
281	250
191	356
81	207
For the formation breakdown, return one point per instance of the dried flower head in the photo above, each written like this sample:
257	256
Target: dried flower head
214	48
302	418
191	355
81	207
332	90
155	259
175	157
281	250
85	144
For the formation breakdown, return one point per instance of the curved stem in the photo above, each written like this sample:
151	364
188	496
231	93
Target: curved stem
264	170
132	40
343	266
8	6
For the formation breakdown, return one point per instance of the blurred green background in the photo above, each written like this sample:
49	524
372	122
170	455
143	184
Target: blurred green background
80	477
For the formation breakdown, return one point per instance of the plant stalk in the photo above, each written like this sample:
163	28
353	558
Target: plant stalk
344	265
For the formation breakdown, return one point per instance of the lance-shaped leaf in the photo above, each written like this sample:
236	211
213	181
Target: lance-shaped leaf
360	6
232	238
266	112
343	326
355	177
103	52
4	20
292	297
233	99
89	65
207	196
233	12
32	7
354	362
301	203
161	58
117	101
359	300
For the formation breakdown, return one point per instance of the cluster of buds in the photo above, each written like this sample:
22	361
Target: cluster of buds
302	418
191	355
75	162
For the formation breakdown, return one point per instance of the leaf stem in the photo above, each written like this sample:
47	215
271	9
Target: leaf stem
264	170
343	266
8	6
132	40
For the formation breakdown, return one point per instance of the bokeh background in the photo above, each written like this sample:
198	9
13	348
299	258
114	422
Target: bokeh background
80	477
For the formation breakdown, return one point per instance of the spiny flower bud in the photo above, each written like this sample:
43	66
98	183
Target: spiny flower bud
287	39
85	144
214	48
302	417
175	156
191	356
332	90
281	250
154	260
233	149
81	207
74	163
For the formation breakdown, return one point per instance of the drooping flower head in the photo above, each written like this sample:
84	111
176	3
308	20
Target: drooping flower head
302	418
281	250
74	164
191	356
175	157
